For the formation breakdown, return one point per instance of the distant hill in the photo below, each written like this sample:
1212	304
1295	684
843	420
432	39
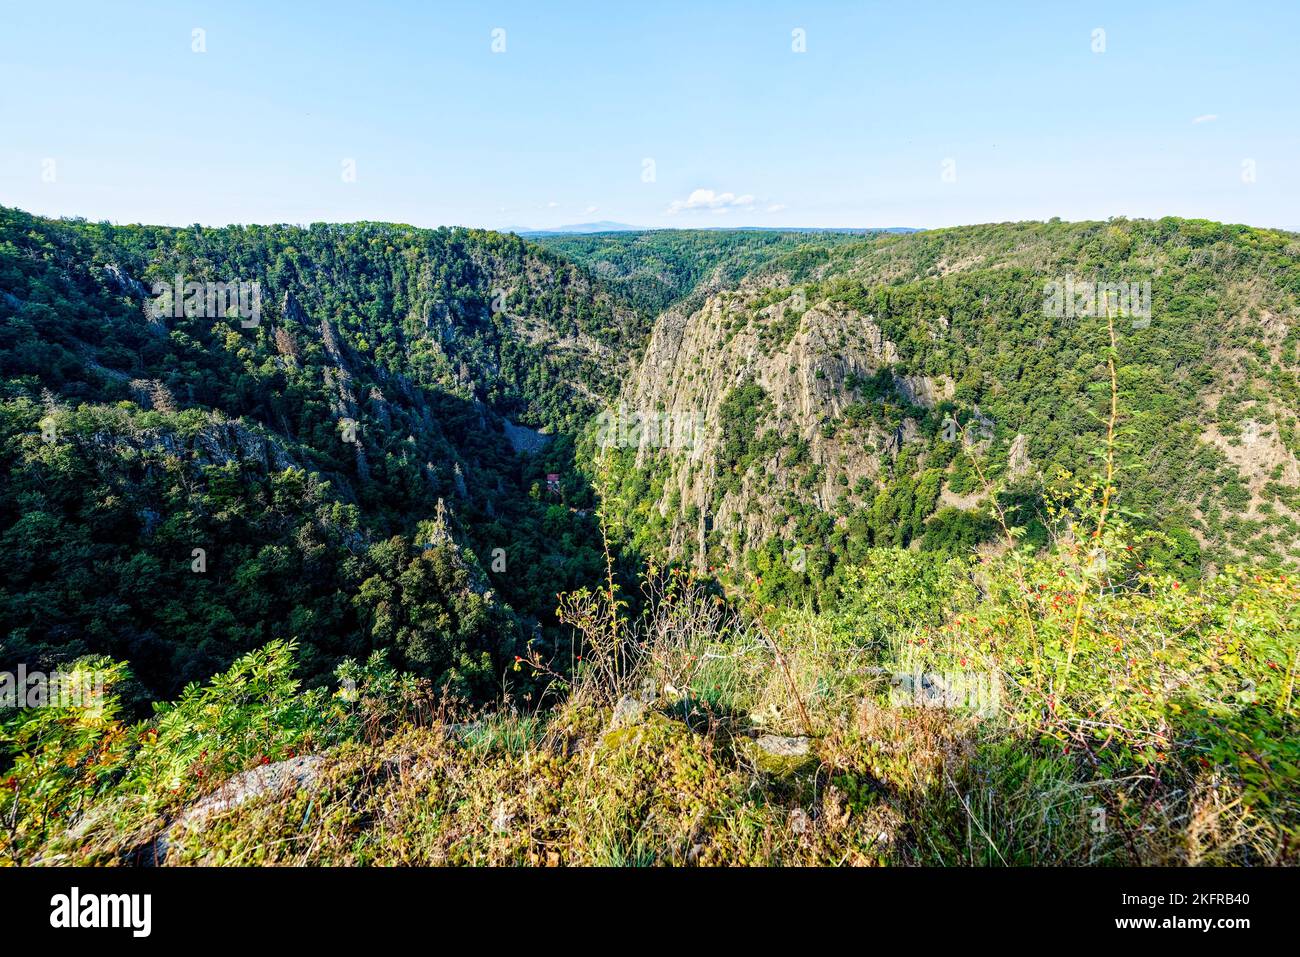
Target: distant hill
847	230
655	268
608	226
604	226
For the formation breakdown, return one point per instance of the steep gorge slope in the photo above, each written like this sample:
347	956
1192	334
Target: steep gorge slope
838	387
182	485
348	463
346	470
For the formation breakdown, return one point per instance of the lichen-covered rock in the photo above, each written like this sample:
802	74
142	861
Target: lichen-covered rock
293	773
266	780
629	710
779	755
635	725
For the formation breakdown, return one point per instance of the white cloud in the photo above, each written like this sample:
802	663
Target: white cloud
707	199
552	204
591	209
776	207
1206	118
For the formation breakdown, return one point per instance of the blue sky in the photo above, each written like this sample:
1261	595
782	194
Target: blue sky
107	112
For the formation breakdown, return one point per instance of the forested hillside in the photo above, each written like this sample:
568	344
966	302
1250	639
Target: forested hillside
654	269
339	463
393	545
872	393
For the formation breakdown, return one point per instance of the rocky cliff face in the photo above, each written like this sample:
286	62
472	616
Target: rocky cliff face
816	384
810	359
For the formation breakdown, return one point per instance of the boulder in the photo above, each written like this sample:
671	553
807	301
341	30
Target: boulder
779	755
289	775
629	710
268	779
